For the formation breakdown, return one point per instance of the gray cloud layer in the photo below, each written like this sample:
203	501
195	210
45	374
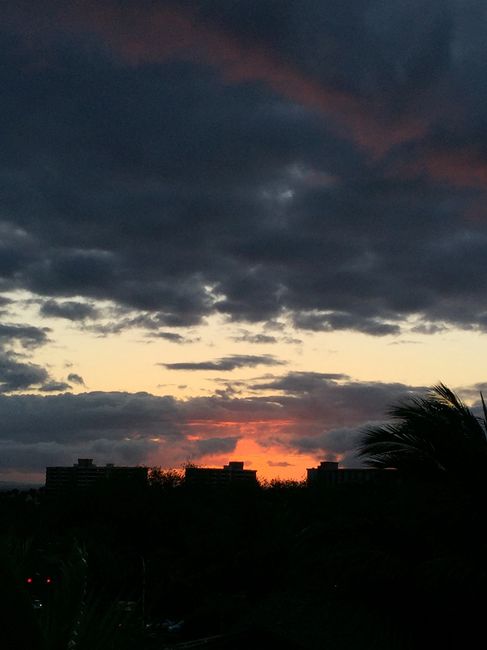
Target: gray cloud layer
27	335
36	431
17	372
18	375
227	363
302	412
70	310
249	159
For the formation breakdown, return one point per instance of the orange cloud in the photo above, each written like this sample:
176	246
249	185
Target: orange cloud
156	34
146	33
259	440
142	33
476	212
460	167
254	428
291	467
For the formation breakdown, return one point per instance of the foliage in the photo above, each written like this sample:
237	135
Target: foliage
339	567
165	479
432	435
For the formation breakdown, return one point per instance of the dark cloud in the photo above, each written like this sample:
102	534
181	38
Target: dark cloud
335	441
170	336
248	337
315	160
279	463
334	444
301	407
344	321
27	335
429	328
119	319
17	372
35	457
212	446
87	416
71	310
18	375
36	431
76	379
54	386
321	164
173	337
301	382
227	363
264	339
322	417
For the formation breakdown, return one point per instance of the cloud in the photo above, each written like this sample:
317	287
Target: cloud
291	340
334	444
170	336
279	463
129	428
18	375
54	386
76	379
211	446
321	416
429	328
87	416
173	337
70	310
322	322
335	441
227	363
28	336
248	337
325	179
301	382
35	457
16	371
145	33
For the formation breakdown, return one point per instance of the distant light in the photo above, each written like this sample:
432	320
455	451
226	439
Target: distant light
29	581
48	580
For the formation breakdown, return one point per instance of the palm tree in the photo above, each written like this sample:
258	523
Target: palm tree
432	435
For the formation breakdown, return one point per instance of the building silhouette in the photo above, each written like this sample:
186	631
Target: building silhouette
232	474
328	473
85	474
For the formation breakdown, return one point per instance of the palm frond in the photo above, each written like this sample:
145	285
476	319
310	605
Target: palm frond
484	410
434	433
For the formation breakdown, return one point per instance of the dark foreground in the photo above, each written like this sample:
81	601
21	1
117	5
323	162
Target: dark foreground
392	566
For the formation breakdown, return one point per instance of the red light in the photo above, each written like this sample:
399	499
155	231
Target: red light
29	581
48	580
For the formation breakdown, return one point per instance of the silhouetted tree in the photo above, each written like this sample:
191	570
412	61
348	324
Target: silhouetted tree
165	478
436	434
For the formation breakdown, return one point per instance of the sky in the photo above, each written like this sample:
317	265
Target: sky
235	229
